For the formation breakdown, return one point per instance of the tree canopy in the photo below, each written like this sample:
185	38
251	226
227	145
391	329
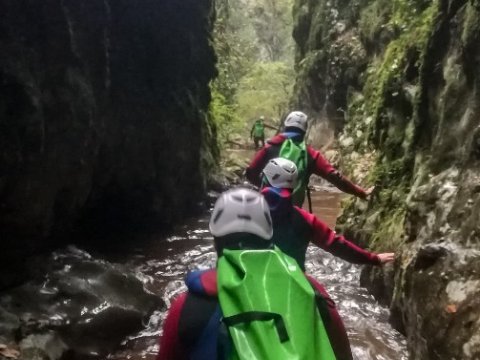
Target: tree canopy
254	46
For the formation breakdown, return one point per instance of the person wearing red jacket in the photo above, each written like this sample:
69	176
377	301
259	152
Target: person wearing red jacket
193	316
294	229
192	330
295	129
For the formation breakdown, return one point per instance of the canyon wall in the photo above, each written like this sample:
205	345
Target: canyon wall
103	116
400	80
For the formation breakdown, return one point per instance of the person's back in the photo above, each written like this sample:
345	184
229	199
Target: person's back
291	232
291	145
259	128
257	133
245	291
294	229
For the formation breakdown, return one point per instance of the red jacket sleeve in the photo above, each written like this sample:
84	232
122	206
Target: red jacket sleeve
257	165
328	240
326	170
170	347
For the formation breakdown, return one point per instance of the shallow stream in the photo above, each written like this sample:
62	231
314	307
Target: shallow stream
163	263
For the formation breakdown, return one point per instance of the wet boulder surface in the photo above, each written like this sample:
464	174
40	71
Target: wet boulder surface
405	94
76	307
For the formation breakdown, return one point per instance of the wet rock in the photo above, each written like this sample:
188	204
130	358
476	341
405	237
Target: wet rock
9	325
234	165
379	282
46	346
218	183
476	143
346	142
91	133
428	255
80	305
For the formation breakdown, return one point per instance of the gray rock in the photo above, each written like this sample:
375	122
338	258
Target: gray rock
9	324
346	142
82	305
46	346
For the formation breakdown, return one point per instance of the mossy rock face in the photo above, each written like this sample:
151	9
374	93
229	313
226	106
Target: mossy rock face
329	54
412	110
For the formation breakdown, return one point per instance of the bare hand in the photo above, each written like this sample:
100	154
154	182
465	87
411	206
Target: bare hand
368	192
386	257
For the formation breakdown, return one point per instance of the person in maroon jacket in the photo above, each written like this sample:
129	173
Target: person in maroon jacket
193	316
295	129
294	229
192	330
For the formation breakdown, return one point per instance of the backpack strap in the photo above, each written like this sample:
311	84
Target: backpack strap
322	302
250	316
195	323
322	307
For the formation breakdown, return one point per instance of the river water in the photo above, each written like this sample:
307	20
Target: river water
163	262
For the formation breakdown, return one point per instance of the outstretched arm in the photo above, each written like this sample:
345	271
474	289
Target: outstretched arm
326	170
268	126
254	170
328	240
346	185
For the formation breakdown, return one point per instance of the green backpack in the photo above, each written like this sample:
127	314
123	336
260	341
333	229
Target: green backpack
269	308
259	129
297	152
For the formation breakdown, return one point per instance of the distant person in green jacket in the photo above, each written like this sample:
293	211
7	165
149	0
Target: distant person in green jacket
258	133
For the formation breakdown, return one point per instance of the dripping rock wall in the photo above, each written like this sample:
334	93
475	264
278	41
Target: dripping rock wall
403	77
102	115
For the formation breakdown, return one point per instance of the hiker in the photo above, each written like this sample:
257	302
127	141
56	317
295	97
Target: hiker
294	229
258	133
241	310
291	145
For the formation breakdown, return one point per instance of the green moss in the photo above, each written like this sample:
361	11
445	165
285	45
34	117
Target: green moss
310	62
384	117
388	236
471	29
374	18
392	173
387	76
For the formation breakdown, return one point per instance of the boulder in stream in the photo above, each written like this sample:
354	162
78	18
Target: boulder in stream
77	305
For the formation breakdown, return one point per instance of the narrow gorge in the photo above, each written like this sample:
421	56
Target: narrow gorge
121	121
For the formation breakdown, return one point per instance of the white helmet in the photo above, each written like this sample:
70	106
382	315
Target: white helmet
281	173
241	210
297	119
